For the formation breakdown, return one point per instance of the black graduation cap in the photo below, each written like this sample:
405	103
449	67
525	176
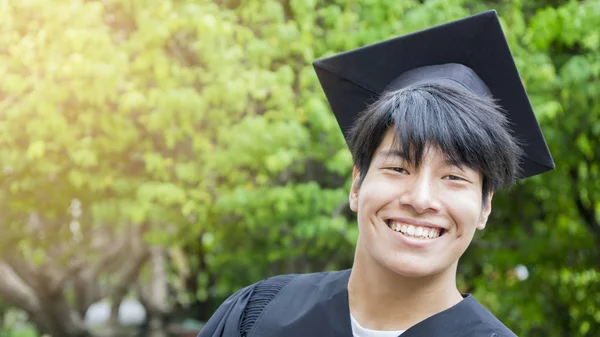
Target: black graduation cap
472	51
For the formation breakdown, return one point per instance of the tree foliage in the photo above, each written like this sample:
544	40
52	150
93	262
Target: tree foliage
200	127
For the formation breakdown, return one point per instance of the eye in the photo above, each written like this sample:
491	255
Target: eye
456	178
398	169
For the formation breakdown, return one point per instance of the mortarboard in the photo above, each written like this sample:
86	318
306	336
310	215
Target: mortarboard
472	52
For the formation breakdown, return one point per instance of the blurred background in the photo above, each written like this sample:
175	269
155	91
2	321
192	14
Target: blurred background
158	155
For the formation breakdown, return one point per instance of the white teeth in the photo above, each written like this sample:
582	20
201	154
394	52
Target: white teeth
415	231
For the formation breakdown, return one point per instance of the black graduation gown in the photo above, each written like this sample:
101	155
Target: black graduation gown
317	305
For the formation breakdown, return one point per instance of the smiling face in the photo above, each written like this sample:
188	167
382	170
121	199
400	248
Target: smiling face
416	221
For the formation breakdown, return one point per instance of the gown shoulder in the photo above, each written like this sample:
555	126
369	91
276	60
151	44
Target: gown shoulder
237	314
264	292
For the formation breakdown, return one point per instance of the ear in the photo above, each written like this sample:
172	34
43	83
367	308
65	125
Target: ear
485	212
353	197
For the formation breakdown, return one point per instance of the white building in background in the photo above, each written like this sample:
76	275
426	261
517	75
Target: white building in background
131	312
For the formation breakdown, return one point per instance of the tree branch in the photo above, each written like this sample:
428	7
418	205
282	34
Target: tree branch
587	213
107	259
86	286
15	291
24	270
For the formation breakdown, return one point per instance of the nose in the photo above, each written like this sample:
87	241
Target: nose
420	195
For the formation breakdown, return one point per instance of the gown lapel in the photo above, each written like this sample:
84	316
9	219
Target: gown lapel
337	308
454	321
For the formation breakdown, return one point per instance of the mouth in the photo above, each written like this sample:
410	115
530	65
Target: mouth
415	231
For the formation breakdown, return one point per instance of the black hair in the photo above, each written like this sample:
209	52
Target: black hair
470	129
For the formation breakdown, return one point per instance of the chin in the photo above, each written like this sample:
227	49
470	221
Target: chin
411	269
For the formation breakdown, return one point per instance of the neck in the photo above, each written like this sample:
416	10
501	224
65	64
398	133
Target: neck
383	300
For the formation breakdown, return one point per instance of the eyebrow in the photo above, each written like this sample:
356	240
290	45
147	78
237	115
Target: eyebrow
394	153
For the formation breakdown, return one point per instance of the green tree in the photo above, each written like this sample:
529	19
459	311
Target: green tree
110	113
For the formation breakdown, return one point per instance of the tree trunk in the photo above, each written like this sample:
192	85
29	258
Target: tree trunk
154	295
59	319
156	326
50	312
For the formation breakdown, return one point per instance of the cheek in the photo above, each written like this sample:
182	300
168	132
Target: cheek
464	208
373	195
373	191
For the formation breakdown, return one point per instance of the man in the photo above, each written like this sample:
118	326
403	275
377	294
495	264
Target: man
436	122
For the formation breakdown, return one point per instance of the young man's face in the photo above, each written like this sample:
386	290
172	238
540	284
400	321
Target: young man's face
438	206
